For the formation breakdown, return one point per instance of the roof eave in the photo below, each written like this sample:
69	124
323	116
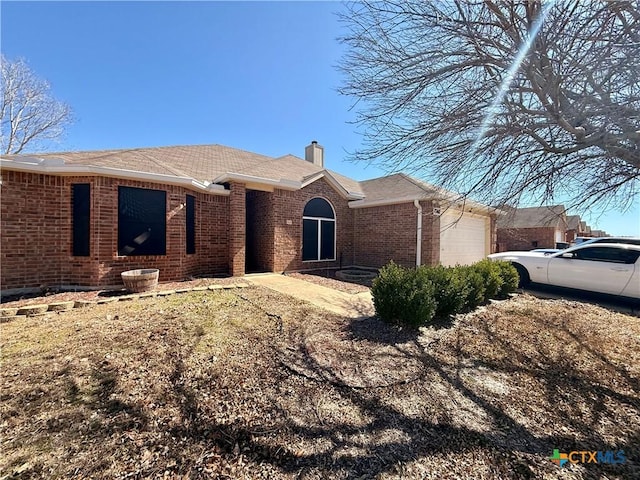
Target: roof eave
465	205
58	167
281	183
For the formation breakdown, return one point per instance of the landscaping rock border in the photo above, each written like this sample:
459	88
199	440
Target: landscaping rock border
18	313
61	306
8	312
31	310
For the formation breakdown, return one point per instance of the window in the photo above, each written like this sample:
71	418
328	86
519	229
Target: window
142	221
81	210
608	254
191	224
318	231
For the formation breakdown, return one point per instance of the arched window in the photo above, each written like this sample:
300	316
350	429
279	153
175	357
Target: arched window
318	231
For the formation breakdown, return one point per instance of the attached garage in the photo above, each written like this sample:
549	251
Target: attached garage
464	238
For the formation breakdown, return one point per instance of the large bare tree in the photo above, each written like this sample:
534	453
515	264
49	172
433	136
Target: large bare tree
30	115
506	101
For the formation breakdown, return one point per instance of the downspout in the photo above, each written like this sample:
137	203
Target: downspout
419	234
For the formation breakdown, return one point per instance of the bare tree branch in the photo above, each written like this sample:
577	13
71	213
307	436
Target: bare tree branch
425	76
29	115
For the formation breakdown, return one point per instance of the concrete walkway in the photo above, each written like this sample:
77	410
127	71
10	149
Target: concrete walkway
351	305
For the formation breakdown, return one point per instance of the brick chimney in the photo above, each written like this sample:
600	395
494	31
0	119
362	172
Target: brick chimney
314	153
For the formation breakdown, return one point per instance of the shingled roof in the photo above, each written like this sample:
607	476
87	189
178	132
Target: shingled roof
203	163
532	217
396	186
573	222
210	166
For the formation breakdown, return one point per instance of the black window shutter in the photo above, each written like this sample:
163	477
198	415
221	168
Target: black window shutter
191	224
81	228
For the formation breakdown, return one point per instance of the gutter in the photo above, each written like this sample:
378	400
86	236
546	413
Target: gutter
416	203
58	167
386	201
241	177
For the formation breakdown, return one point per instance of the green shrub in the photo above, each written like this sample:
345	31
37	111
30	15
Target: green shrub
474	282
403	295
450	290
386	289
510	279
414	296
491	276
420	299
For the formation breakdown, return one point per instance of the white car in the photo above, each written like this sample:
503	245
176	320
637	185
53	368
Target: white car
610	268
547	251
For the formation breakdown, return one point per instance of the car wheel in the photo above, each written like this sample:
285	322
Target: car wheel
523	274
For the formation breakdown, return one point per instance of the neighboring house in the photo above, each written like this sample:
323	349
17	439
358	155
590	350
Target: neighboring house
82	218
585	230
533	227
573	228
599	233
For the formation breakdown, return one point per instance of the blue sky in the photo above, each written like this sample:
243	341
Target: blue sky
259	76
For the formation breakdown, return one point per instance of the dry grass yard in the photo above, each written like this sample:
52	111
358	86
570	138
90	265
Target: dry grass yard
251	384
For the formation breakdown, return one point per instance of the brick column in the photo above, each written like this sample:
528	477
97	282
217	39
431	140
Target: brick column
430	234
493	235
237	229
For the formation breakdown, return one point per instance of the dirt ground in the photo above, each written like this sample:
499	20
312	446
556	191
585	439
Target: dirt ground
327	278
52	295
252	384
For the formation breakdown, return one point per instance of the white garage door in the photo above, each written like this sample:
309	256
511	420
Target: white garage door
463	239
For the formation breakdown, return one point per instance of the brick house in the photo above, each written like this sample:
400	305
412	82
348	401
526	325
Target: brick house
82	218
573	228
532	227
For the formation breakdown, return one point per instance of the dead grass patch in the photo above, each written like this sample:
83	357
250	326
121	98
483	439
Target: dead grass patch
253	384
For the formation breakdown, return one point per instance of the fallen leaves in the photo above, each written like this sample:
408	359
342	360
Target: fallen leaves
257	385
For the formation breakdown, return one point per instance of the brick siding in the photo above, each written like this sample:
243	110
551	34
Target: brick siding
288	208
430	234
248	228
36	240
389	232
510	239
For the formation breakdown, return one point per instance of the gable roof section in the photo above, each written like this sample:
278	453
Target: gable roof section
402	188
573	222
291	172
205	164
346	187
533	217
395	188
